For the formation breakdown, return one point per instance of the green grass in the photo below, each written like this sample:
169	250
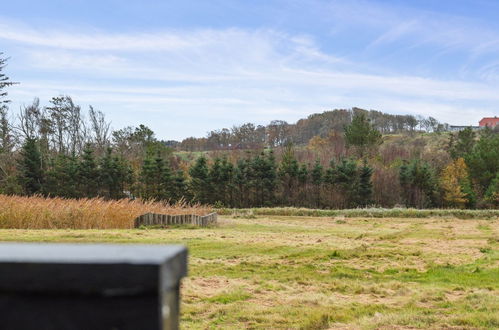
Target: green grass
361	212
280	272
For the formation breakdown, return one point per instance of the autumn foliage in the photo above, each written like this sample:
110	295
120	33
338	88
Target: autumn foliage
455	184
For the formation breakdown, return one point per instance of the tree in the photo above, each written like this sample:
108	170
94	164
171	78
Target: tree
6	136
263	175
462	143
365	188
317	177
361	135
456	185
88	173
156	178
346	180
62	177
4	82
179	189
492	194
417	179
200	186
115	175
483	160
288	173
242	177
30	168
100	129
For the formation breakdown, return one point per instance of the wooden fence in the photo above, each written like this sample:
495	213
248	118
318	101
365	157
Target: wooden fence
154	219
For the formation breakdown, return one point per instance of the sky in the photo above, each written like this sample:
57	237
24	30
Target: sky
186	67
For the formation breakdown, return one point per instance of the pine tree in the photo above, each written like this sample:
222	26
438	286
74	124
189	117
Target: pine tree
347	181
156	178
418	182
147	176
218	182
461	145
115	176
200	182
361	135
242	182
88	173
62	177
228	175
288	174
365	189
317	177
179	189
483	160
492	193
30	168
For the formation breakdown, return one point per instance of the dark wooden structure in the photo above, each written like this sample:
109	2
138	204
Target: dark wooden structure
154	219
81	286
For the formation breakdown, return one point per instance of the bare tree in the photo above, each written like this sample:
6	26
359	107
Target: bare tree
69	131
100	129
29	119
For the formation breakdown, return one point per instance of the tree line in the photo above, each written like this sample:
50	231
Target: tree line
279	132
62	150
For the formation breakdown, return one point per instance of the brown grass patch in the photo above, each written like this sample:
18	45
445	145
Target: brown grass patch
50	213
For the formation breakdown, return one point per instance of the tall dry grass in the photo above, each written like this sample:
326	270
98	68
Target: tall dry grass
96	213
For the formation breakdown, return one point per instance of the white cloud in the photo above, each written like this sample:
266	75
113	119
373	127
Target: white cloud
218	78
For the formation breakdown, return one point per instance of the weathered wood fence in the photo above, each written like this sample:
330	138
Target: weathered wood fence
154	219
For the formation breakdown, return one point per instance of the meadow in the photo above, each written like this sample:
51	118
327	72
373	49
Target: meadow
338	272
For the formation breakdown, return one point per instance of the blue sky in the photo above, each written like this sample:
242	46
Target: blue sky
186	67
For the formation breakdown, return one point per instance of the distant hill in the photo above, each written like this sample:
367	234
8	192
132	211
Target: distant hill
277	132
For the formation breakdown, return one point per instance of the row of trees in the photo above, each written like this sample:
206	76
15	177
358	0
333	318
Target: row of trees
278	132
253	181
59	150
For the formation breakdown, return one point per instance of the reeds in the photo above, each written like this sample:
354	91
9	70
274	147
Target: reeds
46	213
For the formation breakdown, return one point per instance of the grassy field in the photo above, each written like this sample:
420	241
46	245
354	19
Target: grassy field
319	273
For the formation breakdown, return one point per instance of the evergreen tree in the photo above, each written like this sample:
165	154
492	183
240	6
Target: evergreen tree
200	186
6	134
228	179
462	144
242	182
361	135
217	180
483	160
148	177
30	168
288	174
264	179
156	178
347	181
492	194
365	188
62	177
179	189
418	182
115	175
88	173
317	177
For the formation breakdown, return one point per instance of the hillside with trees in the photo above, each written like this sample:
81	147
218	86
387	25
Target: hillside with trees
336	159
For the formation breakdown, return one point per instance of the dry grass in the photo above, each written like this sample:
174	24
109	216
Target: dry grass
58	213
278	272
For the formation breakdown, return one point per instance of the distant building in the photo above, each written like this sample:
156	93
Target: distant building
489	121
454	128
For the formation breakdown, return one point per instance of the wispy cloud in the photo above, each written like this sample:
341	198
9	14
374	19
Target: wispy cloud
220	77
